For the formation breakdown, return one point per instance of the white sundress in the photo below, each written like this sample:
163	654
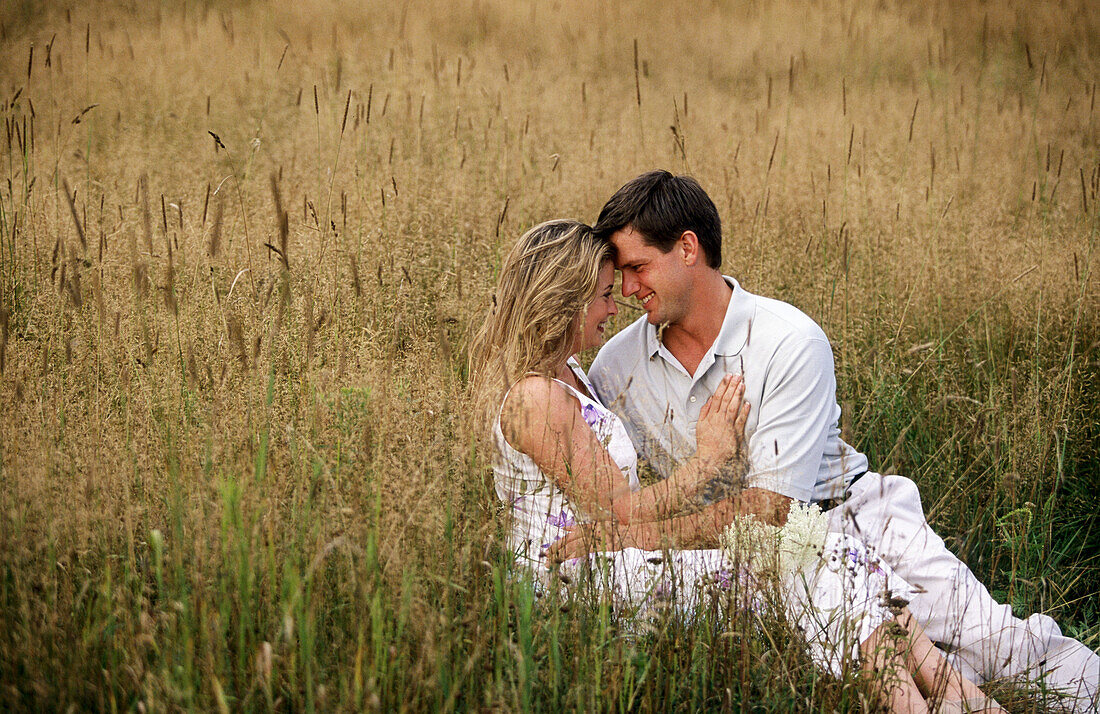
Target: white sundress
837	603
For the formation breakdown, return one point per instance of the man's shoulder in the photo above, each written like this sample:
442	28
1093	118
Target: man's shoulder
780	322
618	358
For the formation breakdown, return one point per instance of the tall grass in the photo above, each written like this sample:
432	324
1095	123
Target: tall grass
242	248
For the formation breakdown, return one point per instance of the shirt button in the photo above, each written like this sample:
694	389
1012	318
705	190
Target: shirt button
692	400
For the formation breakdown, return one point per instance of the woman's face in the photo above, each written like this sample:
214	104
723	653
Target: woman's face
600	309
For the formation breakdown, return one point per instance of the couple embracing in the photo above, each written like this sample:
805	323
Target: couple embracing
730	397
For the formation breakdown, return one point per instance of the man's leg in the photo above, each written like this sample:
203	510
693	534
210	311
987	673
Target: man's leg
954	608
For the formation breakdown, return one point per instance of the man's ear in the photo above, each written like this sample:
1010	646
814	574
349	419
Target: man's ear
689	247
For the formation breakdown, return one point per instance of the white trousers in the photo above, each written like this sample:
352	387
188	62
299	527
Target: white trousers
836	599
983	638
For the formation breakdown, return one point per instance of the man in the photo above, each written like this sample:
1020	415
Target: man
700	325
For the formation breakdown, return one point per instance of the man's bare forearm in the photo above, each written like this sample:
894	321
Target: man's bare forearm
725	482
695	485
703	529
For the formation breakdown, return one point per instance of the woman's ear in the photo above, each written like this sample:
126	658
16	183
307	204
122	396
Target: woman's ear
689	247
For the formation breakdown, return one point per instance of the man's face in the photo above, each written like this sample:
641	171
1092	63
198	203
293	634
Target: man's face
660	281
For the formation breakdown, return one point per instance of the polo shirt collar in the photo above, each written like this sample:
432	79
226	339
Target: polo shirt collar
736	325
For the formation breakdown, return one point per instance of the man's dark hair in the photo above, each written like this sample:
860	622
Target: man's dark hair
660	207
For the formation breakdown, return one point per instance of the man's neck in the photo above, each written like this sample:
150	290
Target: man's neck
690	338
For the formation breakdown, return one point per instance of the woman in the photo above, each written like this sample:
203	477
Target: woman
563	458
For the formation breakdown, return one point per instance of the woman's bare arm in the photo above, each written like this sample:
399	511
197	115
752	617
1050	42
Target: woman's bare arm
541	419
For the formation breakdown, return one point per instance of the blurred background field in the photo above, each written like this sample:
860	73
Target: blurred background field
242	248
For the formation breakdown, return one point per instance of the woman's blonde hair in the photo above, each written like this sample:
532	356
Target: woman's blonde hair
547	281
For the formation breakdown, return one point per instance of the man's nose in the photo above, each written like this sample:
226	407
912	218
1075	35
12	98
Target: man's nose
630	285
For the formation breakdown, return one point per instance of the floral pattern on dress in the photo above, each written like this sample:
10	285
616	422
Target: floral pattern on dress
562	520
600	422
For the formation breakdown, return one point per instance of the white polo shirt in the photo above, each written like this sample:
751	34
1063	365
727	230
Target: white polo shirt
793	426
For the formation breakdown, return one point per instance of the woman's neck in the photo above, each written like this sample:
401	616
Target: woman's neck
566	374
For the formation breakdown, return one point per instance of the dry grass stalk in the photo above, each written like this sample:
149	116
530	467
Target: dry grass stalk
282	221
355	276
216	230
5	316
72	210
237	340
146	215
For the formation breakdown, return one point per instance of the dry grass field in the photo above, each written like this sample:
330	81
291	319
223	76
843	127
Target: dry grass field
243	247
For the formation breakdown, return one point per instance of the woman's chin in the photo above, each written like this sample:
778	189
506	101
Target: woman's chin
593	344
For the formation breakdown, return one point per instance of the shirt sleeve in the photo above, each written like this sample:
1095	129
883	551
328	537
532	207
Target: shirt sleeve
796	412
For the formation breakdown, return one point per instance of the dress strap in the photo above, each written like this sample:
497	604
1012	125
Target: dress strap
576	392
583	380
572	390
580	376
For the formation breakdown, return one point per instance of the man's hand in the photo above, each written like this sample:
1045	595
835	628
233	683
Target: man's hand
769	506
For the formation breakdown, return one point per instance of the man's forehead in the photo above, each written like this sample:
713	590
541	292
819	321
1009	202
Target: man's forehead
628	246
627	235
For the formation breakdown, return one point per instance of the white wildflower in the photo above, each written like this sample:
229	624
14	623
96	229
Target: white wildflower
792	547
752	543
802	538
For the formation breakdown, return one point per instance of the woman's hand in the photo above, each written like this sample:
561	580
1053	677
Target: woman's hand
580	540
720	433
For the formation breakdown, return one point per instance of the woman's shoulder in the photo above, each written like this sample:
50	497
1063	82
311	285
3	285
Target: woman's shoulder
535	400
537	393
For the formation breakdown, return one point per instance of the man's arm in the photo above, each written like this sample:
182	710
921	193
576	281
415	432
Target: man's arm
703	528
796	412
